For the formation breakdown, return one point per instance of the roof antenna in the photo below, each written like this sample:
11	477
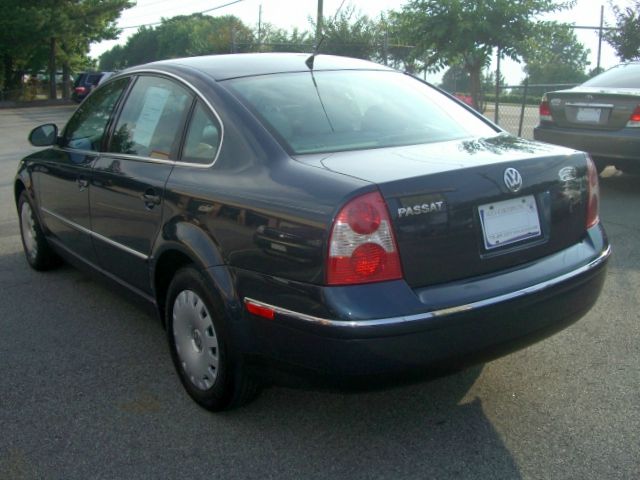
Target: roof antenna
309	61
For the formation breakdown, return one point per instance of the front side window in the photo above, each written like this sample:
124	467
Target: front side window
203	137
346	110
151	121
86	128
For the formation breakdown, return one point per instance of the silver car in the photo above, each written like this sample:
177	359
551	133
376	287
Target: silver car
601	116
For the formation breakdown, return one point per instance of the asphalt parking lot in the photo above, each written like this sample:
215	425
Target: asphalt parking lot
87	389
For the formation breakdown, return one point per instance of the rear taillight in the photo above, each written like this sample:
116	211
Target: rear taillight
362	247
593	194
545	110
80	90
634	119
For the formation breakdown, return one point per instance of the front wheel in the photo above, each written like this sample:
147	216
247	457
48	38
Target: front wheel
210	370
36	249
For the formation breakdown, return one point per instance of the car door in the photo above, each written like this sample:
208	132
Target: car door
62	180
128	181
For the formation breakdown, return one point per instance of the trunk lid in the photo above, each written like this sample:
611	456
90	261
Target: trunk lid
454	216
593	107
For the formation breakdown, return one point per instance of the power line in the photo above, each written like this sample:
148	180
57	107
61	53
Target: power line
193	13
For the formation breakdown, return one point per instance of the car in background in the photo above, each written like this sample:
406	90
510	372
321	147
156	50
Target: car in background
86	82
601	116
319	216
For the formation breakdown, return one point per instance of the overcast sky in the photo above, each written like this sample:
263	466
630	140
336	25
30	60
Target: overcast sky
295	13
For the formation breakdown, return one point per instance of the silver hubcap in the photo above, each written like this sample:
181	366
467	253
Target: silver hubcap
195	339
28	230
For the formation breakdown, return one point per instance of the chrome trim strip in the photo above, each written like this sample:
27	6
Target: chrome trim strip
138	158
157	160
136	290
206	102
349	324
589	105
93	234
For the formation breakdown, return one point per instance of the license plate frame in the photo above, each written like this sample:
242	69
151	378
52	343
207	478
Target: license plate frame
509	221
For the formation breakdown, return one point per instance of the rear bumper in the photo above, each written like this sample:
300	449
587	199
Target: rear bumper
530	303
621	144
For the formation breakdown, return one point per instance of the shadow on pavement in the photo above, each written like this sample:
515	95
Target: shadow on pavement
89	392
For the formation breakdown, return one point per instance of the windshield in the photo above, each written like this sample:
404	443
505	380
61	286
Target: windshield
621	76
331	111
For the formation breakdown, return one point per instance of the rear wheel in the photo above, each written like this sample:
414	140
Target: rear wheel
38	252
210	370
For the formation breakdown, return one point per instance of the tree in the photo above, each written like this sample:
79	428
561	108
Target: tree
446	32
455	79
71	25
397	48
350	34
40	32
554	55
280	40
181	36
20	41
626	39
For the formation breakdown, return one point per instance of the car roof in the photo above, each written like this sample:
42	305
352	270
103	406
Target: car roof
224	67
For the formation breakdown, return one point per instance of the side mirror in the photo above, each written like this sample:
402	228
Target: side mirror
44	135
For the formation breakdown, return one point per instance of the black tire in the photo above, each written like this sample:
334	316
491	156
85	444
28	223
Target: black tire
36	248
196	327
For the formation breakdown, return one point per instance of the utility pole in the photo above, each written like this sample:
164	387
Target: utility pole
496	114
319	23
600	35
260	28
385	47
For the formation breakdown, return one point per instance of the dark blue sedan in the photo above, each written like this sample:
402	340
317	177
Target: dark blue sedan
324	217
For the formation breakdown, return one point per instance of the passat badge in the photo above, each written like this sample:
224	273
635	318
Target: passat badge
419	209
512	179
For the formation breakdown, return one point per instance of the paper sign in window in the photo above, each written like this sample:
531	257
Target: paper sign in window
154	103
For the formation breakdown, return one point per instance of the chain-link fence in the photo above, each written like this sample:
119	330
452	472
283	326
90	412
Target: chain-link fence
515	107
29	91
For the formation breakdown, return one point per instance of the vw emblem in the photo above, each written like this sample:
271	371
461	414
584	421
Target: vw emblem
513	179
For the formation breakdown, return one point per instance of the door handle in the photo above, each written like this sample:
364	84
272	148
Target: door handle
83	184
151	198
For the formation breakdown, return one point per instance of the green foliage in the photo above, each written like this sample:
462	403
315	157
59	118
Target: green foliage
553	54
36	33
350	34
455	79
279	40
447	32
181	36
626	40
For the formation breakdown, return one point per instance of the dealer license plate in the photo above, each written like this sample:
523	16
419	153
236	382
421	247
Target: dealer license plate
509	221
591	115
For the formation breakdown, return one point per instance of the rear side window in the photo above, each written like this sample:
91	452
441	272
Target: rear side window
152	119
203	137
347	110
622	76
86	128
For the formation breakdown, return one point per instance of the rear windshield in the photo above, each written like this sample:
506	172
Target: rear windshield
622	76
345	110
94	79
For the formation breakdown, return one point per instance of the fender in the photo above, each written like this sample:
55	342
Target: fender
190	240
23	177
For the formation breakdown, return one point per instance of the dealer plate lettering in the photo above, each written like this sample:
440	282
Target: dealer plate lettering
509	221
